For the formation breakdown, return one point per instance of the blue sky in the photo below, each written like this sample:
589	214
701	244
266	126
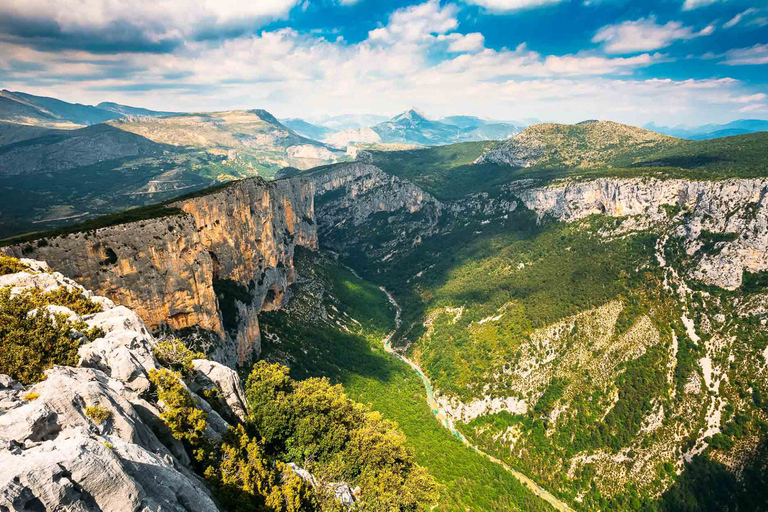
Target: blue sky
667	61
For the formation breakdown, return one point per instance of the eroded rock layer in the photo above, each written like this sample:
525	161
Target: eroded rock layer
211	268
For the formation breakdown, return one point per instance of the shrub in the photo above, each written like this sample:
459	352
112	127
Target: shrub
314	424
253	482
173	354
63	296
10	265
186	422
98	414
31	396
30	344
109	445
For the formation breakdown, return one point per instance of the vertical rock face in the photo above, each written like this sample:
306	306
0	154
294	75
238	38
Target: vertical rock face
359	204
213	267
735	207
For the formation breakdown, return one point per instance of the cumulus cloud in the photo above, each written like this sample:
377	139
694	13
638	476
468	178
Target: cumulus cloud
644	35
511	5
419	56
459	43
139	21
417	23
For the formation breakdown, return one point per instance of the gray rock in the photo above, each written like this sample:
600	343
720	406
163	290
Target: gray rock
210	375
52	456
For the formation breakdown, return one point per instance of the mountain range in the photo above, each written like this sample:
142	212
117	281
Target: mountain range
411	127
570	318
61	161
712	131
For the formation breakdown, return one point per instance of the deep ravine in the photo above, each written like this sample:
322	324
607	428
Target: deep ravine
447	421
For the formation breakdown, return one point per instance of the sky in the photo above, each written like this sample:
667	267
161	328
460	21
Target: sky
670	62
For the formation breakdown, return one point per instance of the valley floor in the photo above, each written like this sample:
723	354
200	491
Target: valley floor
333	327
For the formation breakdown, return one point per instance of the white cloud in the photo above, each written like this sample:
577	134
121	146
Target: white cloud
297	75
511	5
459	43
695	4
644	35
417	23
737	19
158	19
754	107
754	55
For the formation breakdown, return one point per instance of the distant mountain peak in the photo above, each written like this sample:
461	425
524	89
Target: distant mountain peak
412	114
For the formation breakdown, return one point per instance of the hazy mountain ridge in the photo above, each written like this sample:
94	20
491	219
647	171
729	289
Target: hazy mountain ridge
711	131
136	157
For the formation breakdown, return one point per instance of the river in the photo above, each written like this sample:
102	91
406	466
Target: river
446	420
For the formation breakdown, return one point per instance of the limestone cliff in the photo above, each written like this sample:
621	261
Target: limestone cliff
211	267
737	208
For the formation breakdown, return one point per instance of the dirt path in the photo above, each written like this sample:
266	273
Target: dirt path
447	422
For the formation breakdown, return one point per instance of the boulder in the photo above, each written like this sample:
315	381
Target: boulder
209	375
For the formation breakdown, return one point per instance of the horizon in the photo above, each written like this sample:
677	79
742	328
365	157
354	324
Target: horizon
687	62
320	120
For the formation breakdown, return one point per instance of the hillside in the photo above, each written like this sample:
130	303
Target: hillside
584	145
49	178
127	110
601	335
22	108
309	130
591	325
114	418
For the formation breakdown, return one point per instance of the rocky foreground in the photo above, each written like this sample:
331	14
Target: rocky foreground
56	454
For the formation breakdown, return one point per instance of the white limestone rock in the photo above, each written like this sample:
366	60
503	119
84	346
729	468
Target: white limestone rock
209	375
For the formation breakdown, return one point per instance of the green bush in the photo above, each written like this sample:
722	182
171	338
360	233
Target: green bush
315	425
31	344
98	414
173	354
180	412
10	265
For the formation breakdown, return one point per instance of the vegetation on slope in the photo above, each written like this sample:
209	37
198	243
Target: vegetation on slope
311	424
575	319
333	327
449	172
32	339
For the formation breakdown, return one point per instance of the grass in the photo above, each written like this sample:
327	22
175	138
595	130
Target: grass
315	346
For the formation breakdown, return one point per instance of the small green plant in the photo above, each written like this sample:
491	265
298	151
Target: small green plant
98	414
10	265
31	396
109	445
173	354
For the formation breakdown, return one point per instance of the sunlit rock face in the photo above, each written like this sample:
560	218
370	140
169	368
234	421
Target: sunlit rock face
738	207
211	266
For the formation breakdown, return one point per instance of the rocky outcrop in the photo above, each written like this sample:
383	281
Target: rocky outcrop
211	266
209	376
367	190
55	456
737	207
